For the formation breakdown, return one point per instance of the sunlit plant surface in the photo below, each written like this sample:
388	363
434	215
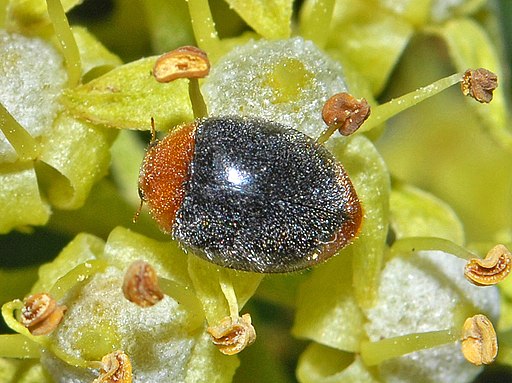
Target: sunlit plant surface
435	183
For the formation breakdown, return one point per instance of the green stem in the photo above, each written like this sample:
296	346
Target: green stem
412	244
18	346
26	146
79	274
70	359
315	26
383	112
326	134
66	40
226	285
374	353
184	297
203	25
196	98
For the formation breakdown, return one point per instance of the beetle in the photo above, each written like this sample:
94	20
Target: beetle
250	194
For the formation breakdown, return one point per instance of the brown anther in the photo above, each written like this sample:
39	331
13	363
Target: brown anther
184	62
345	112
479	341
140	285
479	84
232	336
40	314
117	368
494	268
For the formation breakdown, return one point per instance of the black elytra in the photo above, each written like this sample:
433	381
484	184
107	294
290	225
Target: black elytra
265	198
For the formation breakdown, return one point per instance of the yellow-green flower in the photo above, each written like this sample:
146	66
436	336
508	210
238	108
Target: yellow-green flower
45	154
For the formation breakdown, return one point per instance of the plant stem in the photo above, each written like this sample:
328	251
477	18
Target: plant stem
383	112
412	244
18	346
315	26
184	297
196	98
79	274
374	353
203	25
66	40
26	146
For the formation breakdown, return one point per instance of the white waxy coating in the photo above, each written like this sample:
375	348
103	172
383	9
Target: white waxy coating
419	293
238	84
32	76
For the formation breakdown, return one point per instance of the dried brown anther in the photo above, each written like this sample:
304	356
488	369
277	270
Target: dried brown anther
140	285
479	341
494	268
184	62
117	368
232	336
40	314
479	84
345	112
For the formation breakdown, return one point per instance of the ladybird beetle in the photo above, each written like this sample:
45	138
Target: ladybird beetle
250	194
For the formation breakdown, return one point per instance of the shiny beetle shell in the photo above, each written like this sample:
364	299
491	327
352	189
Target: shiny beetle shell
250	194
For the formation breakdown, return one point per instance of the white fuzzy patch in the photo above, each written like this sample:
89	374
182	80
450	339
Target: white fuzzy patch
32	76
236	84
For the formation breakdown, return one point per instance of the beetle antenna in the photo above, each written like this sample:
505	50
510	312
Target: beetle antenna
153	131
137	213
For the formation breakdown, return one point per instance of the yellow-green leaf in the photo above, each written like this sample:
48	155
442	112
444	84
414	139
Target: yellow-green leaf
369	39
19	197
271	19
83	248
370	177
93	54
31	16
128	96
327	309
67	149
415	213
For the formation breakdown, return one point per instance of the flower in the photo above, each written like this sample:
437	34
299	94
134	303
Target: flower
44	158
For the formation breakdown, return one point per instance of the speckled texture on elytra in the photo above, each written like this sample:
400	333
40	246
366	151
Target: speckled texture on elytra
264	198
156	338
237	84
32	76
418	293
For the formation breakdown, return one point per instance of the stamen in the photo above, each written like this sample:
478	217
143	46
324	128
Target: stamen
26	147
384	112
374	353
116	368
479	84
232	335
494	268
479	341
185	62
66	40
140	285
41	314
345	113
